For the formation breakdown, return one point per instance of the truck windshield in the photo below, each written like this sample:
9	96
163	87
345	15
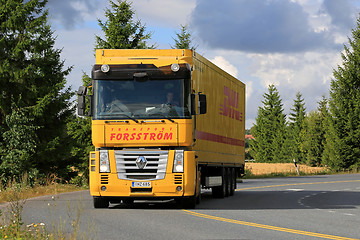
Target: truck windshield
141	99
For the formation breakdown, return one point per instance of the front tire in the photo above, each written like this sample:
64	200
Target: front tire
100	202
187	202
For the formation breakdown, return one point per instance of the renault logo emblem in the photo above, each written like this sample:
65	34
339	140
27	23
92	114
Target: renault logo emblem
141	162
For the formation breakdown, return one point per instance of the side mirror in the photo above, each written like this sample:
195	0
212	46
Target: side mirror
202	104
81	100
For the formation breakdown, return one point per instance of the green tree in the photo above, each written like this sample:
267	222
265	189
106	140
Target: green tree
343	133
183	39
314	135
296	124
19	146
120	30
270	130
79	129
32	79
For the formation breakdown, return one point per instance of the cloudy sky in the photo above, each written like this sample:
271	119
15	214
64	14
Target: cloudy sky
293	44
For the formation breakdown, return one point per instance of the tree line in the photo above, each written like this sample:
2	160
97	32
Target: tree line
40	133
328	136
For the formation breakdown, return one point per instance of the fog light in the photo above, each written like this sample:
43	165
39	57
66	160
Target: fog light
103	188
178	188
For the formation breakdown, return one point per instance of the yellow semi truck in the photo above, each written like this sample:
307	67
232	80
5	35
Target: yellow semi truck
165	123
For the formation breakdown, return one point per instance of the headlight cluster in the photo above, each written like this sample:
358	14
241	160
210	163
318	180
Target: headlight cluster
104	161
179	161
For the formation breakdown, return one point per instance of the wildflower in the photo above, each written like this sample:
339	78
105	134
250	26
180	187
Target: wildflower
42	224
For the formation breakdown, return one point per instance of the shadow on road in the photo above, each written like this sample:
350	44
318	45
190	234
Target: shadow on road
260	200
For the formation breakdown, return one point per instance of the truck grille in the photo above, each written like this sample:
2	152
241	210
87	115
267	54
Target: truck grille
128	168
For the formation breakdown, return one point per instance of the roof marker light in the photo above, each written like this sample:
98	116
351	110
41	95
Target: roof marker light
105	68
175	67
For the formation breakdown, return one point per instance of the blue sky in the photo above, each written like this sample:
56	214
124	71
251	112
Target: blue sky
293	44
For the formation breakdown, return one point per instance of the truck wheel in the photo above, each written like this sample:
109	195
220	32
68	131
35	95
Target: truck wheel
220	191
198	198
186	202
100	202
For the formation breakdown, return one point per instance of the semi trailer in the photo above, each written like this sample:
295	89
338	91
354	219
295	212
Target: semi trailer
165	124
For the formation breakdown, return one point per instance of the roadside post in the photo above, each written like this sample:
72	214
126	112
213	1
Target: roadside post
296	167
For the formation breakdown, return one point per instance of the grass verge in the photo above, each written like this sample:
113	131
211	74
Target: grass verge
12	225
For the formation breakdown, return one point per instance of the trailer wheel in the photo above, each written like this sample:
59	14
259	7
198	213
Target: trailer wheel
100	202
220	191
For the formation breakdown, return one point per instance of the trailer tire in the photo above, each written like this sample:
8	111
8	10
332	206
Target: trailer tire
220	191
100	202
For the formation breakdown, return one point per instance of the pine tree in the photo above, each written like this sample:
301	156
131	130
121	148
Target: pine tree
343	133
120	30
33	85
269	130
296	124
183	39
313	144
79	129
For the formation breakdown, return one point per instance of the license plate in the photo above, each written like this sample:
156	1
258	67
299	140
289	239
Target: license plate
141	184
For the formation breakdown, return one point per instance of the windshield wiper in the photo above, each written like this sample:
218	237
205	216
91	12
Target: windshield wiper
160	114
122	114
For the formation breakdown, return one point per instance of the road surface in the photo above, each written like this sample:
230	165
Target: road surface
315	207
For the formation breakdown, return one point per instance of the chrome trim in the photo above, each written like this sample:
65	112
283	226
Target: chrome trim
128	169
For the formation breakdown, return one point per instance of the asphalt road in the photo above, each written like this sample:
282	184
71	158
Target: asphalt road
316	207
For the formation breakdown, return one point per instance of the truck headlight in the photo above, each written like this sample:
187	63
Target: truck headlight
179	161
104	161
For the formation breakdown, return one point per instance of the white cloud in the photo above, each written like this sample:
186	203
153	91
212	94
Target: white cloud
222	63
77	51
164	13
249	89
297	71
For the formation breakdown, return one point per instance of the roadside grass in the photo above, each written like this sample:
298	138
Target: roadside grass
13	227
24	191
271	170
250	175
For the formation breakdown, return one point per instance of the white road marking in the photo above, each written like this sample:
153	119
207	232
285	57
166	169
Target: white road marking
295	189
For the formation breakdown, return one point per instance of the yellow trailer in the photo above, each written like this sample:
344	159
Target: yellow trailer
165	123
